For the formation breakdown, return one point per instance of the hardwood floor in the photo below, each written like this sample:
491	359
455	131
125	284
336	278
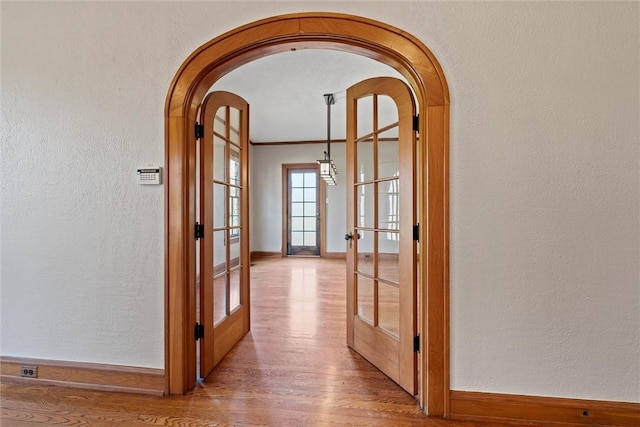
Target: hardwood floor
292	369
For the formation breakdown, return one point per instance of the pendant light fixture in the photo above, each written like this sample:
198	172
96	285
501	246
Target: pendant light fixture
328	170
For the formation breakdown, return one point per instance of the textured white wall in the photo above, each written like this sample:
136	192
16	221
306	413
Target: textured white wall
545	185
266	194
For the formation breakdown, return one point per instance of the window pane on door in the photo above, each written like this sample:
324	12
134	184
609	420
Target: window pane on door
297	180
297	195
387	111
310	180
310	194
219	162
310	223
364	199
389	308
365	297
388	160
365	116
234	121
297	209
364	167
297	224
297	238
220	298
310	209
309	238
219	252
218	206
388	258
389	205
234	289
365	254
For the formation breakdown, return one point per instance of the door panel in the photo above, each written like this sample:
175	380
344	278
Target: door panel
381	255
224	282
303	211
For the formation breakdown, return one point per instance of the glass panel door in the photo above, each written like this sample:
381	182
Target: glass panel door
224	281
303	210
381	253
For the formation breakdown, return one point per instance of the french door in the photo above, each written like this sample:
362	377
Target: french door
303	210
381	252
224	248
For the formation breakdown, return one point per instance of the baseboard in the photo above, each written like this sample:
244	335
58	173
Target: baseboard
476	406
335	255
263	254
92	376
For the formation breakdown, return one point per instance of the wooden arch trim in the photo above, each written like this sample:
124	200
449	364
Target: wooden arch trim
278	34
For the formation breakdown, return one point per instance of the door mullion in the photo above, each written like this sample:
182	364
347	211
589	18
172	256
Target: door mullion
376	236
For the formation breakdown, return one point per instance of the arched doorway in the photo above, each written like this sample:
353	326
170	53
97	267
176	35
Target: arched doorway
348	33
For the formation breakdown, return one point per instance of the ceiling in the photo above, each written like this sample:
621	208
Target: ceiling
285	92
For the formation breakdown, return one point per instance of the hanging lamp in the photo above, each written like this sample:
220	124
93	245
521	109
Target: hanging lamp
328	170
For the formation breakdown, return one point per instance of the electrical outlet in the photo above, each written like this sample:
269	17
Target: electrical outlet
29	371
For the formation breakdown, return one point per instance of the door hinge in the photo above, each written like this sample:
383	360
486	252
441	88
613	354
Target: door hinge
416	344
199	231
416	123
199	131
199	331
416	232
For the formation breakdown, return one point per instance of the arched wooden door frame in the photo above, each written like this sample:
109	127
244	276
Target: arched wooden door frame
348	33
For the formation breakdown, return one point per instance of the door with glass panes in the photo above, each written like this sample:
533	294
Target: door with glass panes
381	252
224	247
303	210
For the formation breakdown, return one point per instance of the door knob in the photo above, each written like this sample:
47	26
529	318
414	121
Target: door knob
349	237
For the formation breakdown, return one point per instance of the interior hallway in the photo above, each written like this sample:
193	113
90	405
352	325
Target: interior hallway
292	369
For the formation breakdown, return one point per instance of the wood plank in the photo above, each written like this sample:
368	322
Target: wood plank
95	376
256	255
494	406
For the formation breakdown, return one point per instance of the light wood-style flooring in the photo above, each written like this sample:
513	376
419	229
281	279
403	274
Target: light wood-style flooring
292	369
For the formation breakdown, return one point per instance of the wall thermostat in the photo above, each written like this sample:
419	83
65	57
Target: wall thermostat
149	176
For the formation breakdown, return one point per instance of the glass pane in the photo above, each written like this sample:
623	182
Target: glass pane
297	209
219	299
297	179
389	205
310	223
309	238
389	308
309	209
219	252
219	163
364	168
310	194
234	119
219	121
388	163
388	256
297	224
364	116
364	250
297	195
234	207
310	180
297	238
364	196
234	249
234	289
234	165
218	206
364	289
387	111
